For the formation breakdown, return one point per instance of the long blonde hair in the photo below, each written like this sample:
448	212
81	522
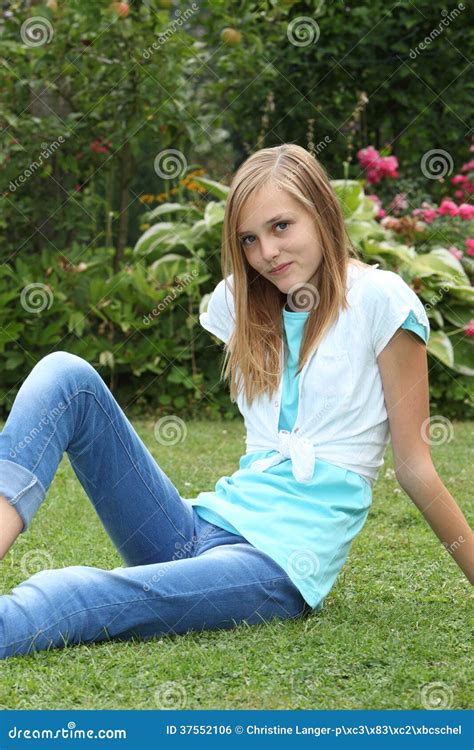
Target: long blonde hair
253	352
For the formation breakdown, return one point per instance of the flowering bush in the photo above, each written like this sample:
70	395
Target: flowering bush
377	167
426	225
465	182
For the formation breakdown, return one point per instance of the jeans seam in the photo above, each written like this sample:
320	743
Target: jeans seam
133	601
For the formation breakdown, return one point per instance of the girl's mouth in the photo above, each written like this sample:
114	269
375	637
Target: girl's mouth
278	271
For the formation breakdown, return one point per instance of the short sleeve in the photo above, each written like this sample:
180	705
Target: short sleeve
392	304
411	324
219	318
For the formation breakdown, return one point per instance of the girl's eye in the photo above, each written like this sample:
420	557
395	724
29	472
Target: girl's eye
244	239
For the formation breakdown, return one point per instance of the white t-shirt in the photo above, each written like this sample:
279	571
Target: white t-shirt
341	411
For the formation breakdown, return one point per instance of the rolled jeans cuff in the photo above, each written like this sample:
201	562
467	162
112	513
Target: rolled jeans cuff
22	489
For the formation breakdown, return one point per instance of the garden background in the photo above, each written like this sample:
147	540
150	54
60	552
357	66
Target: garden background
121	127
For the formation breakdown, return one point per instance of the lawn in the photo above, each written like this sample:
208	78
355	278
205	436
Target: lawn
394	628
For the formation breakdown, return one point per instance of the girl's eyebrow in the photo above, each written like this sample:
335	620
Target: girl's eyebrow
270	221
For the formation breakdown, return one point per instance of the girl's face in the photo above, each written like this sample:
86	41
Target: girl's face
274	229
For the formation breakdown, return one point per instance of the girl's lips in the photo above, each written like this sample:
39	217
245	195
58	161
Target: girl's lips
281	270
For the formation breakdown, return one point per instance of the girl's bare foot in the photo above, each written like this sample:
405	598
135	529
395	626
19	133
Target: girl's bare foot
10	526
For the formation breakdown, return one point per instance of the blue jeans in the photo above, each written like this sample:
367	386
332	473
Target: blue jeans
182	573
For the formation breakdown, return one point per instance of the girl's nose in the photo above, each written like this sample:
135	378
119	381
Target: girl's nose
269	250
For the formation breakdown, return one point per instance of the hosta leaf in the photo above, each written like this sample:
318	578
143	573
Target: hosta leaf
440	347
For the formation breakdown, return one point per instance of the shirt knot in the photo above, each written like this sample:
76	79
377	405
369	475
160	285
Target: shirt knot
298	449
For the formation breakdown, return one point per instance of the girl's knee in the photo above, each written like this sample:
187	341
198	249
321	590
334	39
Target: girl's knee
60	365
62	360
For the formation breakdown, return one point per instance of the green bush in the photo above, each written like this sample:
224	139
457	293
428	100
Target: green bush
139	327
94	103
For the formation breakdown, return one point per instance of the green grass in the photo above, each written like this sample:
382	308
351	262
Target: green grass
396	619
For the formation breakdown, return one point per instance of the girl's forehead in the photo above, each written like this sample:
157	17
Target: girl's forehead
261	206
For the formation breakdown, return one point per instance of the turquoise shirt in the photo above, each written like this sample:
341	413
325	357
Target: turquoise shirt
308	528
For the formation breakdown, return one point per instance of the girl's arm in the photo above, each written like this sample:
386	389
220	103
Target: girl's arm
404	371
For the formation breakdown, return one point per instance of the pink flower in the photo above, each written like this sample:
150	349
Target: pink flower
470	247
375	199
454	251
399	202
377	167
459	179
368	156
390	166
428	214
390	222
466	211
469	329
468	166
448	207
374	175
466	187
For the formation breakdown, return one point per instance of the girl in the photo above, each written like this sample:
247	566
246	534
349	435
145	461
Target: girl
325	356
